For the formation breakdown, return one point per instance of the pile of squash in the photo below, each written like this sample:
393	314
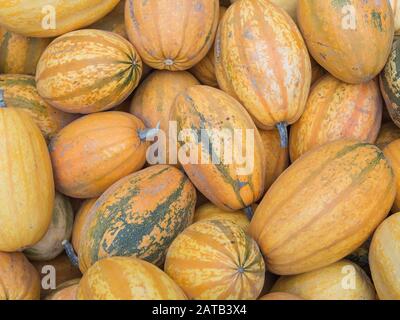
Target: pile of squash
86	86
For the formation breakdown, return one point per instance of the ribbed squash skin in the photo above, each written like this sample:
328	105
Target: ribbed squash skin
50	246
206	108
19	279
19	54
20	92
384	258
81	218
216	260
280	296
353	53
329	283
114	21
127	278
87	71
209	211
26	181
26	17
337	110
323	207
262	60
396	13
93	152
388	133
66	291
138	216
392	153
172	34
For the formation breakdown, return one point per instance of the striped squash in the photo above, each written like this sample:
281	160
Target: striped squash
384	258
280	296
87	71
20	92
26	181
324	206
342	280
216	260
81	217
207	114
93	152
262	60
19	54
114	21
66	291
19	279
127	278
174	34
392	153
50	18
138	216
396	13
353	39
50	246
388	133
337	110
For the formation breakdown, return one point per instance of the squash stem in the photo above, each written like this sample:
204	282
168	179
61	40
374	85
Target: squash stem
249	212
149	134
2	102
69	250
283	133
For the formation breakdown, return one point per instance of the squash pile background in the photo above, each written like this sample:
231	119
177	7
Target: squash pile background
317	218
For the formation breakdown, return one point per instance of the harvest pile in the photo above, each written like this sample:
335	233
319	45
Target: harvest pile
309	210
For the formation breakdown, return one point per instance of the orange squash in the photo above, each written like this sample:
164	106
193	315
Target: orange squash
388	133
392	153
126	278
337	110
262	60
81	218
290	6
324	206
19	279
87	71
93	152
280	296
173	34
216	260
66	291
350	39
206	114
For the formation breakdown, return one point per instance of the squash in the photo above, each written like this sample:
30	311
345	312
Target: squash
354	37
66	291
208	211
277	157
342	280
50	18
50	246
127	278
290	6
280	296
114	21
19	54
138	216
388	133
87	71
172	35
81	218
337	110
216	260
384	258
26	181
323	207
391	152
207	117
20	92
93	152
262	60
396	13
205	69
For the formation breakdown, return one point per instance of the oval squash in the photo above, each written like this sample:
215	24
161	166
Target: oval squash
93	152
66	291
50	18
87	71
354	37
337	110
204	114
138	216
388	133
127	278
262	60
216	260
324	206
392	153
342	280
280	296
81	218
50	246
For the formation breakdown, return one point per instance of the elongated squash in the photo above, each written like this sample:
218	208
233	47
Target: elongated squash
207	118
351	39
65	291
81	217
324	206
127	278
388	133
337	110
138	216
216	260
262	60
392	153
